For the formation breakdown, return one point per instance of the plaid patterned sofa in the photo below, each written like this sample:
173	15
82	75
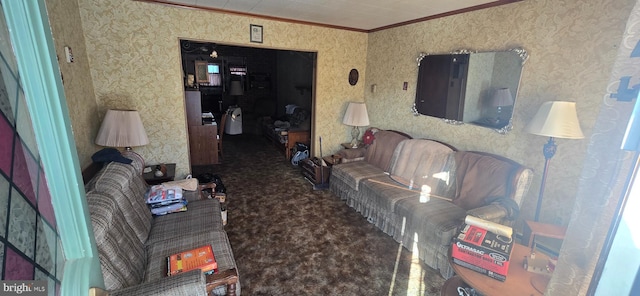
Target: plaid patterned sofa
419	191
133	245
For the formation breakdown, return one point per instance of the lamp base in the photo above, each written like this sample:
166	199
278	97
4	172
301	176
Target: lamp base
355	132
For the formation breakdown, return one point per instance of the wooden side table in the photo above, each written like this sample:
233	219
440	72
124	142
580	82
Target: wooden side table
518	280
532	228
332	159
450	287
227	277
169	173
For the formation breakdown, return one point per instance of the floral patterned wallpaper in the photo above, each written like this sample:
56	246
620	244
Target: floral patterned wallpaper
135	63
572	46
65	22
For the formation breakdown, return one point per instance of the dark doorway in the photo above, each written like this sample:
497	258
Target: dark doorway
262	83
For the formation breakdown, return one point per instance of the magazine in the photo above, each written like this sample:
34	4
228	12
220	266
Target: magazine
179	206
199	258
163	195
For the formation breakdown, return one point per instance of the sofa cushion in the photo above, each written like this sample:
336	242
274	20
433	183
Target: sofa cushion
378	198
350	174
192	282
481	176
419	162
122	255
121	182
201	215
429	225
380	152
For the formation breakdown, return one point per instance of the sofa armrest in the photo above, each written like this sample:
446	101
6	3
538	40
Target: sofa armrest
492	212
189	283
227	278
352	154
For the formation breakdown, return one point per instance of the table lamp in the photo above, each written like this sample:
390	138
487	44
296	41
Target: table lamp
356	116
554	119
501	99
122	128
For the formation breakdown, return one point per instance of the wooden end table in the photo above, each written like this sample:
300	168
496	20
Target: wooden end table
518	280
332	159
228	277
532	228
168	170
450	287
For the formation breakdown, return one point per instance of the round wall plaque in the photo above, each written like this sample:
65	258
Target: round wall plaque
353	76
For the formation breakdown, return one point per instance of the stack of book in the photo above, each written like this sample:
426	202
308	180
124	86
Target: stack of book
163	199
199	258
483	246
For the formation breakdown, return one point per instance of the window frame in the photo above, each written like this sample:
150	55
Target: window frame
40	77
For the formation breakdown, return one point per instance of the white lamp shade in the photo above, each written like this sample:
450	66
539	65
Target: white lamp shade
122	128
356	115
502	97
235	89
556	119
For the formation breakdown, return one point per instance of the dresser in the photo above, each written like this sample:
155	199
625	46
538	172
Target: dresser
203	146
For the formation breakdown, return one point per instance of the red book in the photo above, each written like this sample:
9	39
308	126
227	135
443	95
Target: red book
199	258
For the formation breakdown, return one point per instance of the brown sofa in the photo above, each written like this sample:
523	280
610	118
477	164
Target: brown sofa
133	245
419	191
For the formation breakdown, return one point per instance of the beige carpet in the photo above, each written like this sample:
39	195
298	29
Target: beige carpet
291	240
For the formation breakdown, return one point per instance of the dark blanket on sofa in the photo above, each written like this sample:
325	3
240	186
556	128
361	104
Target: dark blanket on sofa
476	175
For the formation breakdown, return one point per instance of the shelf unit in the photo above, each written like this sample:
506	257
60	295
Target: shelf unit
313	171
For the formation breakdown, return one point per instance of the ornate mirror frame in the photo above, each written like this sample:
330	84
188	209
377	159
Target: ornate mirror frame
504	128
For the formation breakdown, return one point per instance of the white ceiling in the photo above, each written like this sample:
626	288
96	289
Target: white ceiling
354	14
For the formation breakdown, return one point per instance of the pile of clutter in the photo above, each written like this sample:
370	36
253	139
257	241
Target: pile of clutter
213	187
165	199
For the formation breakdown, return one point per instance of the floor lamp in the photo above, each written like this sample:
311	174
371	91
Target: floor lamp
554	119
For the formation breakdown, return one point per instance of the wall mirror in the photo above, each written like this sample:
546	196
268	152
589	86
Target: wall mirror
470	87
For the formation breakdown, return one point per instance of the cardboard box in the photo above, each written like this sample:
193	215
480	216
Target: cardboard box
483	251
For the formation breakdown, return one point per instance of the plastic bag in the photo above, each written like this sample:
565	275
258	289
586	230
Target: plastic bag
300	155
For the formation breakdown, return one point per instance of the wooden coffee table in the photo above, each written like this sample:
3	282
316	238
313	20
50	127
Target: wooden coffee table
518	280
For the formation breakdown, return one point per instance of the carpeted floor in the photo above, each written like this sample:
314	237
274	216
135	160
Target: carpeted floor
291	240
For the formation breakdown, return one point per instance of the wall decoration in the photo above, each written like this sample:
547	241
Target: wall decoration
256	33
353	76
201	72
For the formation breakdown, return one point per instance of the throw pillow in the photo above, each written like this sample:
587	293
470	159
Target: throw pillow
368	137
